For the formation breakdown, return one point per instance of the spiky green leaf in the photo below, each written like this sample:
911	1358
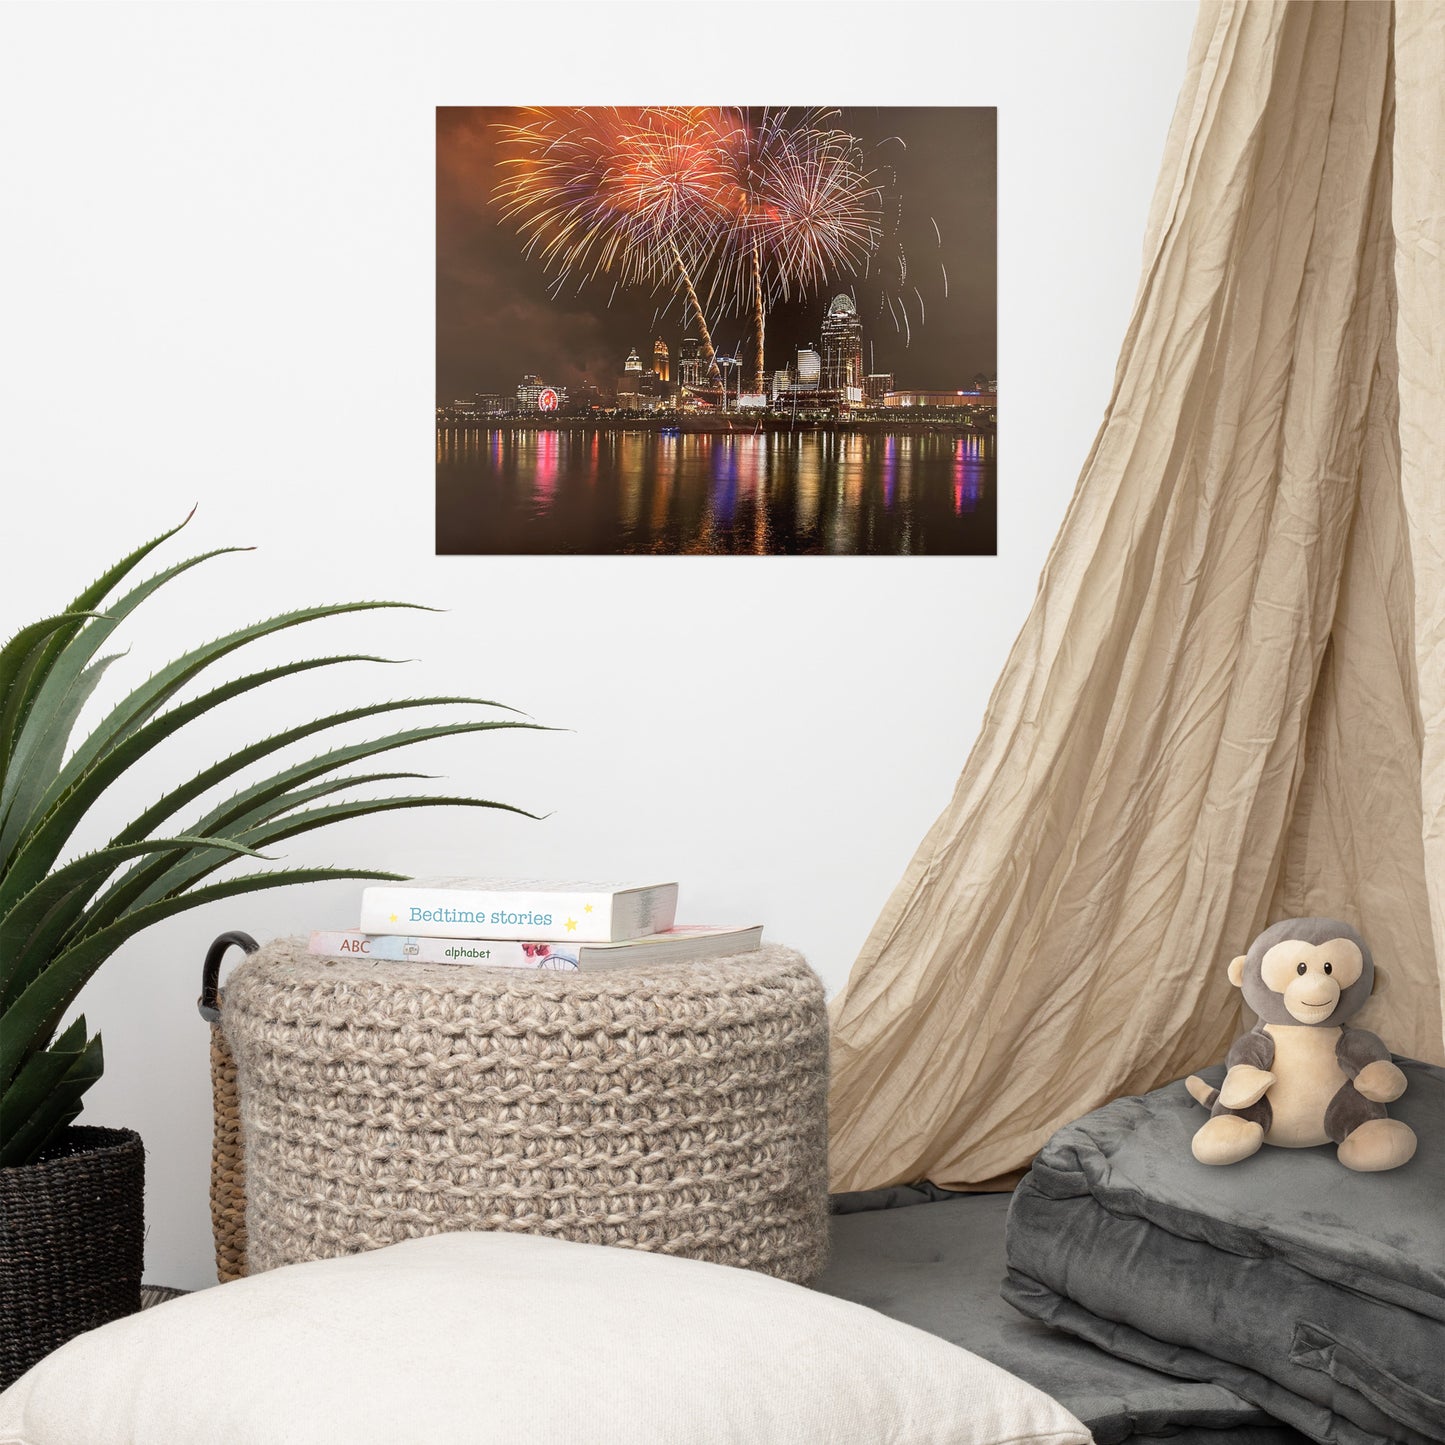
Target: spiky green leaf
19	659
165	876
26	1023
146	700
44	1100
242	805
52	702
38	668
283	822
49	750
172	802
32	923
62	807
33	1085
110	579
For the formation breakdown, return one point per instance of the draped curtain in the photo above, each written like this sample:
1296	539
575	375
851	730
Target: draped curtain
1228	702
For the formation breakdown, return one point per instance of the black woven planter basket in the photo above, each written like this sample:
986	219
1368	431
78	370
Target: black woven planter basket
71	1243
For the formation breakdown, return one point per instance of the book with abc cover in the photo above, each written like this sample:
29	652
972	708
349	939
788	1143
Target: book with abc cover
683	944
523	910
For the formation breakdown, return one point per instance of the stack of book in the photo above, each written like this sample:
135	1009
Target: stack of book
524	924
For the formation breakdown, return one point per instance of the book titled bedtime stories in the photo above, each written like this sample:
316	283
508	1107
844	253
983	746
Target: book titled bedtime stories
520	909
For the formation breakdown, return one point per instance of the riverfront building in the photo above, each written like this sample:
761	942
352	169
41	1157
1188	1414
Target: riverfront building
842	360
987	399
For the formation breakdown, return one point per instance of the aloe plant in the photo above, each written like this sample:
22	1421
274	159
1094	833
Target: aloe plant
59	921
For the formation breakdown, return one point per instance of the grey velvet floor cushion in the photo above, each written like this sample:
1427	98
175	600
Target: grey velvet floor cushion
938	1264
1314	1292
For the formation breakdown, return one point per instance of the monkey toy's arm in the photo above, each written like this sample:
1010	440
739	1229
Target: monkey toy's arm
1247	1076
1366	1061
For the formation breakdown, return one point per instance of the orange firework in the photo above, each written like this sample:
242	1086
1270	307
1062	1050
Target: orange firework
665	196
803	212
634	194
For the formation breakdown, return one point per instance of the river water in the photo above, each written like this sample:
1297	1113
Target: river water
765	493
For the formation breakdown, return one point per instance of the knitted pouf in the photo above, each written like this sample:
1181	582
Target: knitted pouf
671	1107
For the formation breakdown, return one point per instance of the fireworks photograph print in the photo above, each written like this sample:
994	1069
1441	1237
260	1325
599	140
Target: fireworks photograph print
716	330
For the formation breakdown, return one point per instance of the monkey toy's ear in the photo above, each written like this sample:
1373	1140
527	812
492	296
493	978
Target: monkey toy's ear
1236	969
1381	983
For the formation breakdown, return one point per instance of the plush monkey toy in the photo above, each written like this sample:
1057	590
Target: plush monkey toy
1301	1076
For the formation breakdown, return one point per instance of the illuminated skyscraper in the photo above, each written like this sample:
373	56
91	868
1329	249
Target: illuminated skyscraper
843	349
690	370
877	385
633	362
660	359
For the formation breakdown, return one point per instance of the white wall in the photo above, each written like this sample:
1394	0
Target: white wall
217	288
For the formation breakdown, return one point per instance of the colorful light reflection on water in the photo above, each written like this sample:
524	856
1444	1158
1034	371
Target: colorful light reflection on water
590	491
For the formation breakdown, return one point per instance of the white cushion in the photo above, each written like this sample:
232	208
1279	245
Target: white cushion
515	1339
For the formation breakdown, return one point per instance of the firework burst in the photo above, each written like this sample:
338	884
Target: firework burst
805	206
629	193
802	212
753	207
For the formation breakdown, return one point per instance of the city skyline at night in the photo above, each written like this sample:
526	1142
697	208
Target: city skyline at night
925	296
831	371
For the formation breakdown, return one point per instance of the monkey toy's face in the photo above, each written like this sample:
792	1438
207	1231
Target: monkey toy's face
1311	971
1310	977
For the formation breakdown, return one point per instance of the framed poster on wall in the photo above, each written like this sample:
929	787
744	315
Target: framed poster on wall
716	330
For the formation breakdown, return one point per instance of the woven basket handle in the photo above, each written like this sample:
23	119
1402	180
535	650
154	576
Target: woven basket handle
209	1003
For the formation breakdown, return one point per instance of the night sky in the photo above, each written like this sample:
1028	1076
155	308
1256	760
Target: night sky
496	320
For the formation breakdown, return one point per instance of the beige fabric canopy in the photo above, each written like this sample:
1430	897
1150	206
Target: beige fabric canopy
1228	703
